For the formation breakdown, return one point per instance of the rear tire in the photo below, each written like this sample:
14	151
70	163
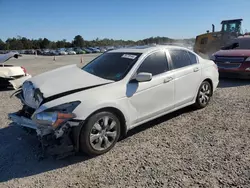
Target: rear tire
204	95
100	133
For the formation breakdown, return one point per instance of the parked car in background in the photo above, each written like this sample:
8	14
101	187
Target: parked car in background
54	52
71	52
102	50
22	52
11	75
79	51
62	52
39	52
109	48
136	86
94	50
15	52
87	50
46	52
233	60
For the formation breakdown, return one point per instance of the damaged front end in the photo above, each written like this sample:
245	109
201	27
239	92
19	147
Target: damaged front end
54	126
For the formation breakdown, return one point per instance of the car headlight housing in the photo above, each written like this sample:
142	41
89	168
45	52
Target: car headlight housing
247	59
57	115
31	95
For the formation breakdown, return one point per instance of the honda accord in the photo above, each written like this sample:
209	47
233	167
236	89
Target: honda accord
88	109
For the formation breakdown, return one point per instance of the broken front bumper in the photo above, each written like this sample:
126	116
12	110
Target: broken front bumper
22	121
26	122
41	130
59	143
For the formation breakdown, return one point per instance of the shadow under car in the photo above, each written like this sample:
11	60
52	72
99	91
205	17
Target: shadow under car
19	150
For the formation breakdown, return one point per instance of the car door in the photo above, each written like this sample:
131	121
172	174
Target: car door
187	75
157	95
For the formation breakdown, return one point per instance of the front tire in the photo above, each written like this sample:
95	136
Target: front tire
204	95
100	133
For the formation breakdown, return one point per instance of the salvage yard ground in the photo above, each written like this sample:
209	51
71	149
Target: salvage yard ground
203	148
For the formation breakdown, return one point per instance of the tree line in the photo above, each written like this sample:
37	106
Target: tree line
20	43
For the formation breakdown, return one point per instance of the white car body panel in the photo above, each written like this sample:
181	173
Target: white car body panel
140	95
16	83
11	71
138	102
185	93
107	98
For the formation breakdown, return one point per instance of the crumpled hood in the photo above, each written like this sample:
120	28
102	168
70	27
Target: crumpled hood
64	79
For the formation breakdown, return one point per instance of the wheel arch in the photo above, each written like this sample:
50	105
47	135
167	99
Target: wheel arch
116	111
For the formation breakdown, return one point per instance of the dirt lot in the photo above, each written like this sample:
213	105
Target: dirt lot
204	148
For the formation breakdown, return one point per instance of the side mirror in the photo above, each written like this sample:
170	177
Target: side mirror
143	77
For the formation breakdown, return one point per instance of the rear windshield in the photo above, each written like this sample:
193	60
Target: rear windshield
113	65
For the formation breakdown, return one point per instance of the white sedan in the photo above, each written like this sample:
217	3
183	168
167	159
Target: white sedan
90	108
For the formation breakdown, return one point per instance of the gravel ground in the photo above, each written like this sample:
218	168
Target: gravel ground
203	148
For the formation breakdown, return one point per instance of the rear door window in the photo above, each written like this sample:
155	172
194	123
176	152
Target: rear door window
180	58
192	57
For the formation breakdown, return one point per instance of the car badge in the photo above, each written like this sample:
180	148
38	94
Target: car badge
227	62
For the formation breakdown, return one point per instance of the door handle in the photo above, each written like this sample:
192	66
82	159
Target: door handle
196	69
168	79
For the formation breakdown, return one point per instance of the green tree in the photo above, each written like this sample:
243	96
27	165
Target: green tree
27	43
2	45
78	41
41	43
45	43
14	44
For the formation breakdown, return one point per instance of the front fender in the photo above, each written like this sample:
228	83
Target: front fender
85	109
88	107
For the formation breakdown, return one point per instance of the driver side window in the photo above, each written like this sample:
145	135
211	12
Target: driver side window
155	63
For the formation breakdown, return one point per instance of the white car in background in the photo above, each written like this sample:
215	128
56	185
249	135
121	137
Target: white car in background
71	52
10	74
90	108
62	52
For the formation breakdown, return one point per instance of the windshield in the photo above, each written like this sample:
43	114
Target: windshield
232	27
239	43
112	66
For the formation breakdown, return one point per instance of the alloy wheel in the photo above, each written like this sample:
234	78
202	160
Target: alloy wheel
204	94
103	133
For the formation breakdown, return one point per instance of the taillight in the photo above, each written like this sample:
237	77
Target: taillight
24	70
